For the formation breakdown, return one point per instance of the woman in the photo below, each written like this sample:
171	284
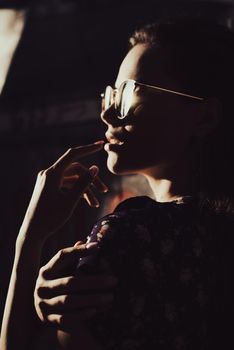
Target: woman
170	119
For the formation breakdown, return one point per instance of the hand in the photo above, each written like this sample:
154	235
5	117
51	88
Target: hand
67	301
72	174
58	190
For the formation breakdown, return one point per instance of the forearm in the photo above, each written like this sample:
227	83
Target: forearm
20	324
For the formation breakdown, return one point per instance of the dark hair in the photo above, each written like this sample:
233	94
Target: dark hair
200	55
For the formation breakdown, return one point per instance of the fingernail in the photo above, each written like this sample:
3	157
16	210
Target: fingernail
93	170
100	142
91	245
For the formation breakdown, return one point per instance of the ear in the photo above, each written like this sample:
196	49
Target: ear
211	114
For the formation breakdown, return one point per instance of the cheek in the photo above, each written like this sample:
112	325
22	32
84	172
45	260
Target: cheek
155	138
164	133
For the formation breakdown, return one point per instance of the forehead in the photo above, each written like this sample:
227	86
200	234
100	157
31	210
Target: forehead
132	65
142	64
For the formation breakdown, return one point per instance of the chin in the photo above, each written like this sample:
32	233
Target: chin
127	164
120	166
114	165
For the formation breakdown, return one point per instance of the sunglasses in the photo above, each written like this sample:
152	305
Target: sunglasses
123	96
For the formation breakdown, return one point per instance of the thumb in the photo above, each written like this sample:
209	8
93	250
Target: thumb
66	257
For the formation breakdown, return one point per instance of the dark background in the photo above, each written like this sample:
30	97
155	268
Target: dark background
68	52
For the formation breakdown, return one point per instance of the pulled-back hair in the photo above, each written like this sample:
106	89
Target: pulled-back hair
200	56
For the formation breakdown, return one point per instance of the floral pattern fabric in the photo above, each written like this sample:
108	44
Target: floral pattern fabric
170	263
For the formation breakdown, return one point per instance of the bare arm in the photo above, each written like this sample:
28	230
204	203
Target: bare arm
48	210
20	321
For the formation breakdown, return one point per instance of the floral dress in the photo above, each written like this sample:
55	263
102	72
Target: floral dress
173	263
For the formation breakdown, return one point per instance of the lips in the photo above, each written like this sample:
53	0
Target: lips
115	138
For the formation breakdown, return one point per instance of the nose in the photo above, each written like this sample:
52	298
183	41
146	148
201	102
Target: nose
110	116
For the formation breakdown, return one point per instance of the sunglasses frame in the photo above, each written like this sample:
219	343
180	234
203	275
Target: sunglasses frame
158	88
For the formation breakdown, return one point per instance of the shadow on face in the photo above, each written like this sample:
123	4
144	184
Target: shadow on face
160	126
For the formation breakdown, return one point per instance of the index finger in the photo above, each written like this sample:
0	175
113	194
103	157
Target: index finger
76	153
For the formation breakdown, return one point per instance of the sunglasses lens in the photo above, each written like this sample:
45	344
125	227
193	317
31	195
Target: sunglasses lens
108	98
121	97
125	97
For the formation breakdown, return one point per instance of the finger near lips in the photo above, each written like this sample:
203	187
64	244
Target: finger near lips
75	153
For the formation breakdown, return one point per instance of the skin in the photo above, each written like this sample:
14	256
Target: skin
166	129
49	208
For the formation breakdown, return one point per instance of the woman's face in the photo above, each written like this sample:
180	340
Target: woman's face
159	128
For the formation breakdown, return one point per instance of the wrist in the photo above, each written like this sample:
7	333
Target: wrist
28	252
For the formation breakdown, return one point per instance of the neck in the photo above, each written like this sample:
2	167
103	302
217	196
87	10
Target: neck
173	183
165	190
